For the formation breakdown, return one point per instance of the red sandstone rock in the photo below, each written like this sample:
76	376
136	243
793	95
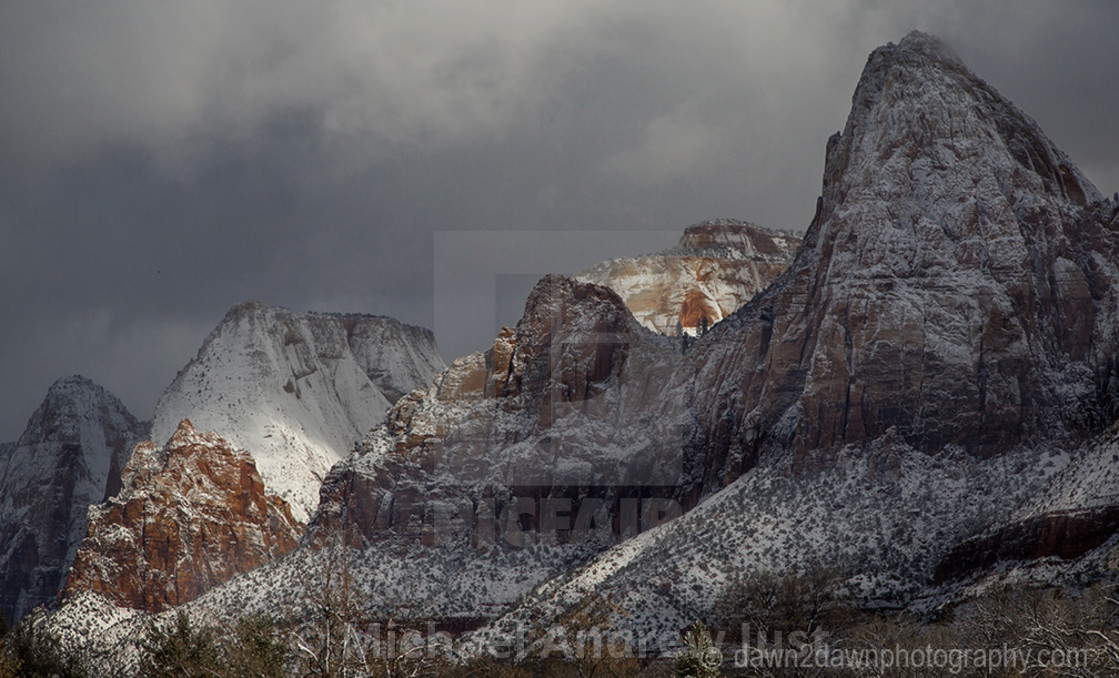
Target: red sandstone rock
190	515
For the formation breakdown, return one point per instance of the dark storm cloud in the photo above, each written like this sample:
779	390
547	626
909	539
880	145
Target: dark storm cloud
161	162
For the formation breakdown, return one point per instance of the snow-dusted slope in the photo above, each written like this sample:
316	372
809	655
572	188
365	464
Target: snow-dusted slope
1068	528
717	267
545	417
955	284
297	390
956	296
944	337
1090	482
879	518
69	457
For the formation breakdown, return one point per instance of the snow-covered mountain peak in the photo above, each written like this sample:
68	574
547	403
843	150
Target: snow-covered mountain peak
927	45
70	402
69	456
81	417
297	390
948	285
924	127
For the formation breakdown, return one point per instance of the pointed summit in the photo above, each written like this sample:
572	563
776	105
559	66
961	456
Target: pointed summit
923	126
68	402
948	286
927	45
69	456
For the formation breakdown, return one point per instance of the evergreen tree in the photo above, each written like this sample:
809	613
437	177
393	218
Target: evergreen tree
181	652
255	651
699	658
30	650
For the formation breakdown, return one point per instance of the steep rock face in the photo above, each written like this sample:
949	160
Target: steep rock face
954	295
548	412
190	515
69	456
298	390
952	285
717	267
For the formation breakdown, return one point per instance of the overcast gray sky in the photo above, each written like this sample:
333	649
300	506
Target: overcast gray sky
160	162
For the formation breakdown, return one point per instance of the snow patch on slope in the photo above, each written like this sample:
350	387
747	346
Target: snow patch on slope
880	520
297	390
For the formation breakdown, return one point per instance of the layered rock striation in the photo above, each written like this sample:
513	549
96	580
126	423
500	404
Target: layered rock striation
716	268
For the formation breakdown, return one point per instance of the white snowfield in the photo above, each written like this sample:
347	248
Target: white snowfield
297	390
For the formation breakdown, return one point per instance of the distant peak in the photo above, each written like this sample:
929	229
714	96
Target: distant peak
929	45
921	45
245	308
920	40
73	403
729	226
78	389
72	382
743	237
